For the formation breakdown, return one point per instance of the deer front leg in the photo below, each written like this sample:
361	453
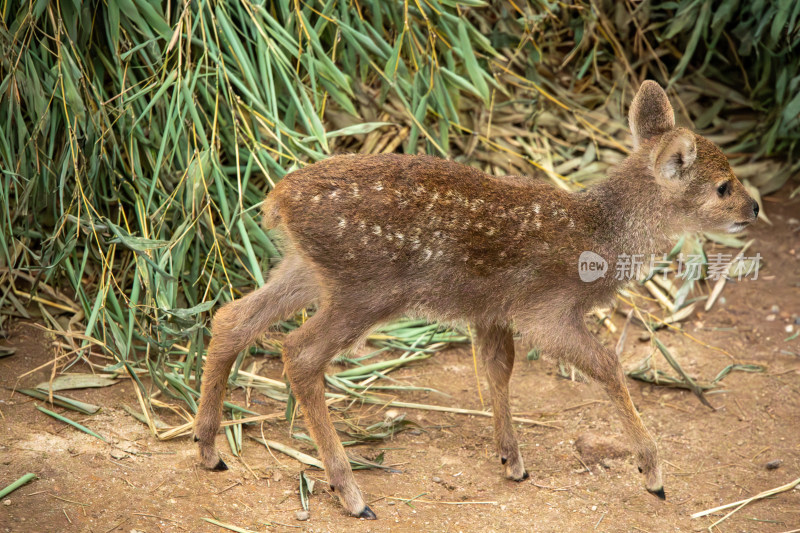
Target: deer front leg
496	344
645	447
602	365
307	352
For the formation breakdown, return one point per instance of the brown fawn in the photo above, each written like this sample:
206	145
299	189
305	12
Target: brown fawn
373	237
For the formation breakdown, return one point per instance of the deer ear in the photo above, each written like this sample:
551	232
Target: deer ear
676	152
650	114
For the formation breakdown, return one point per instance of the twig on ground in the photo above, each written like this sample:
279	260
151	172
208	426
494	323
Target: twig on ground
742	503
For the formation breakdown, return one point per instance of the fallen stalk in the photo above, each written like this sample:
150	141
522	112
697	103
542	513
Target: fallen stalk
742	503
441	408
27	478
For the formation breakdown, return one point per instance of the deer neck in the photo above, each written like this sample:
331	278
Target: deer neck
634	216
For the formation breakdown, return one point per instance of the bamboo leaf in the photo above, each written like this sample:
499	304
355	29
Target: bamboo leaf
71	423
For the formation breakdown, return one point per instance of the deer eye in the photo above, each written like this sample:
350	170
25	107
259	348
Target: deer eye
723	189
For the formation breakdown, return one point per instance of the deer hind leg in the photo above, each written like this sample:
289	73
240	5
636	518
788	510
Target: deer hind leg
602	365
235	325
496	344
307	352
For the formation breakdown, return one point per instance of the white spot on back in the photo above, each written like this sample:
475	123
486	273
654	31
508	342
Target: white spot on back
376	230
316	199
427	252
342	222
334	193
536	208
378	186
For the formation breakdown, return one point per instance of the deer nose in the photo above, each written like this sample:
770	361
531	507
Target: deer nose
755	208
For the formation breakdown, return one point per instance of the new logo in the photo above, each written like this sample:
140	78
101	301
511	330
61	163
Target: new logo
591	266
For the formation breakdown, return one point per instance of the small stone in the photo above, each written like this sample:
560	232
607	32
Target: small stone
391	414
644	337
118	454
774	464
594	448
437	479
789	328
302	515
775	309
6	502
415	432
771	318
594	507
391	502
797	320
277	476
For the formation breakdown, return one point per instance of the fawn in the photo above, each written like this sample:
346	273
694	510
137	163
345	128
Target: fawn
373	237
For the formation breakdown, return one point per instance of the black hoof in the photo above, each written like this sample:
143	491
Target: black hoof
659	493
220	466
367	514
503	460
195	438
640	469
525	476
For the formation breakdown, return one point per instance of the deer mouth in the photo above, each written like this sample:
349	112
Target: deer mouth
736	227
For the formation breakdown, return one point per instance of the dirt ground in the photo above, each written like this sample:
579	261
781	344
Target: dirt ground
450	468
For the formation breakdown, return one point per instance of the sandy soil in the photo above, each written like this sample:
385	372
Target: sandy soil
711	457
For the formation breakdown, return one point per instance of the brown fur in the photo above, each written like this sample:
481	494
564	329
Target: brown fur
372	237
